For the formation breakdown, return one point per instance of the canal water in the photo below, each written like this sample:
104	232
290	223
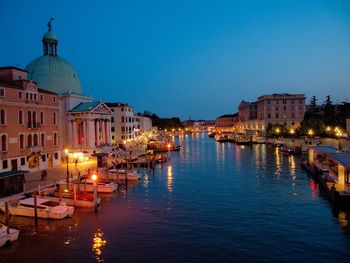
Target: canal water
212	202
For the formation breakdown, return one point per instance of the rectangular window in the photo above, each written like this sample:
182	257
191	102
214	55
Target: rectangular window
20	94
23	161
112	129
2	92
54	99
276	115
34	96
4	164
284	101
41	97
112	119
284	108
56	156
27	96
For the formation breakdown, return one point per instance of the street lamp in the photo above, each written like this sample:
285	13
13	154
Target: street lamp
339	134
67	159
277	131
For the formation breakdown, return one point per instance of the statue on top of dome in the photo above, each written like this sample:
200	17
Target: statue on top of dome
49	23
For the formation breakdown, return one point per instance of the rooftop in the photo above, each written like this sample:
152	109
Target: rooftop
85	106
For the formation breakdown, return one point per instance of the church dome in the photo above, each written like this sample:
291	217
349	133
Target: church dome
51	72
54	74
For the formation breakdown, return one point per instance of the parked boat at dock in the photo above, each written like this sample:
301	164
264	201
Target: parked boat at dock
103	186
7	235
45	208
115	174
81	199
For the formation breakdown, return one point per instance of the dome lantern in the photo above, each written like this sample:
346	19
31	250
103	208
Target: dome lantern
50	41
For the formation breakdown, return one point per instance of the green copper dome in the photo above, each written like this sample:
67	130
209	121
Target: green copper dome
54	74
51	72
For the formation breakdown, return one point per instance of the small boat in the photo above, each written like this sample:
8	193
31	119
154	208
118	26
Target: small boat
285	150
103	186
243	140
7	235
82	199
46	208
221	138
121	174
211	134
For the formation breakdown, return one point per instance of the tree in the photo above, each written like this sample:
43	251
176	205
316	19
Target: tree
329	116
313	103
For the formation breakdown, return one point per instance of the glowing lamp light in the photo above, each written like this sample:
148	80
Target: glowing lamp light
168	145
310	132
328	128
292	131
277	130
94	177
66	151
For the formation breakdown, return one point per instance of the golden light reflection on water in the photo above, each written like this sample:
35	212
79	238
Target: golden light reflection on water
278	162
98	244
292	166
170	178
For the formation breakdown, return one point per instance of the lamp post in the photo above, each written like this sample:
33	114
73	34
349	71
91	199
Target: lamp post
67	159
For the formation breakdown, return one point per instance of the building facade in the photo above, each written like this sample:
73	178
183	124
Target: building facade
277	109
29	123
144	124
227	122
123	124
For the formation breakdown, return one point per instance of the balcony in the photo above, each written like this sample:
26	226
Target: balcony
34	125
33	149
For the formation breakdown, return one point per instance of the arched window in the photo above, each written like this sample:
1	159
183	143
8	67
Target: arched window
43	140
54	118
30	140
20	117
21	141
122	118
41	118
29	118
35	139
2	116
3	143
55	138
34	117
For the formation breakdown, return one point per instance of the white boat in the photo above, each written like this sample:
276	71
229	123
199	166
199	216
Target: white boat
103	186
82	199
121	174
45	208
6	238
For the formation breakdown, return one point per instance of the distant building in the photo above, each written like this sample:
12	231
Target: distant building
143	123
348	127
123	122
29	123
227	122
283	109
276	109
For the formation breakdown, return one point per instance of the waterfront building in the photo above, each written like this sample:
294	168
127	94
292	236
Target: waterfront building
83	122
123	124
227	122
29	123
143	123
283	109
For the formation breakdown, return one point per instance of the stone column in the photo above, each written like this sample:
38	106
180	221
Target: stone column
103	131
97	132
70	133
108	125
74	137
91	133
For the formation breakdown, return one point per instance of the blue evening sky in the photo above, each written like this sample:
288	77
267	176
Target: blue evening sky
189	58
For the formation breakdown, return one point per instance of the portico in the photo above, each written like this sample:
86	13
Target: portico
89	125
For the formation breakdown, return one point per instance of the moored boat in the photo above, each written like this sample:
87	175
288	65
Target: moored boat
81	200
7	235
103	186
45	208
115	174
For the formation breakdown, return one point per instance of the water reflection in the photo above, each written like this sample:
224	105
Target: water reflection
170	178
278	162
292	166
98	244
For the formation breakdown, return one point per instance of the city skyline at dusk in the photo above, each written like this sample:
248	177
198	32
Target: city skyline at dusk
198	58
